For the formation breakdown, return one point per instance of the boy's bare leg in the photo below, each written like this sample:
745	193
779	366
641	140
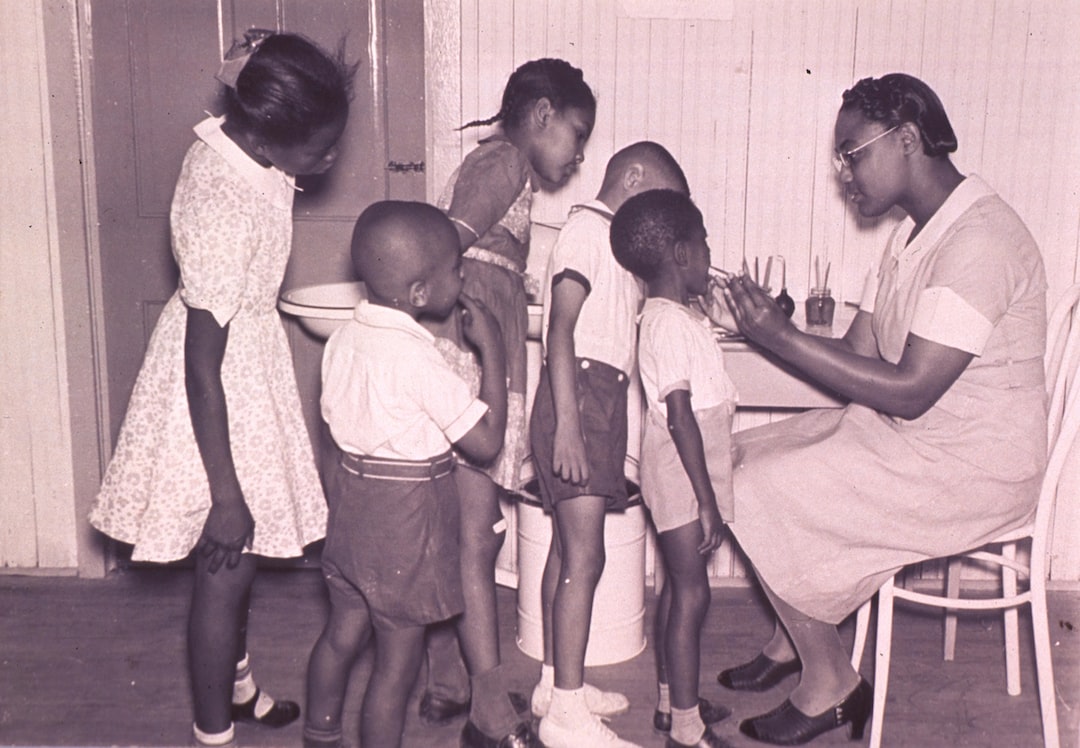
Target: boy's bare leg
398	654
335	652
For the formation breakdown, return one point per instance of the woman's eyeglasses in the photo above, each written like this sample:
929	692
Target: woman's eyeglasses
843	159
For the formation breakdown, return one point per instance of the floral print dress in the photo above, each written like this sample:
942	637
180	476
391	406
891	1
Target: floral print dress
231	226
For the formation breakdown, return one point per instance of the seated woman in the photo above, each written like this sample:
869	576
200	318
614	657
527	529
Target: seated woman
944	442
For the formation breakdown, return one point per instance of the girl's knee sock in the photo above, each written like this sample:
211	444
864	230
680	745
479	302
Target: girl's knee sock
224	738
663	699
686	725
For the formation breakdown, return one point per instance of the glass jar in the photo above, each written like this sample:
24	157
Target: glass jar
820	307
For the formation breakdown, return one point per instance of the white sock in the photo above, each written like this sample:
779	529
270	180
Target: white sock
568	706
686	725
663	701
215	738
244	688
547	676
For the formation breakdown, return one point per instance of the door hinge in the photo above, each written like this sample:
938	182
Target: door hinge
401	167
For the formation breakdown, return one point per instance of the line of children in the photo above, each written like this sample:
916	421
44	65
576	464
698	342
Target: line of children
579	435
213	454
660	237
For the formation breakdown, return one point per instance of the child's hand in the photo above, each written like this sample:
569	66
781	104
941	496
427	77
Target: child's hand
228	530
568	459
479	324
711	527
715	307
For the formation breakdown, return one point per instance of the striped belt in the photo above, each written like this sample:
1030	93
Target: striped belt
383	468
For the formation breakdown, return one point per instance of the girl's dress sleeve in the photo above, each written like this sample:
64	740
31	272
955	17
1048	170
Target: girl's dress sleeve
488	183
213	236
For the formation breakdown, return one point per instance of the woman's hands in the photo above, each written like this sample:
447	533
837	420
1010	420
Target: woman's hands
756	313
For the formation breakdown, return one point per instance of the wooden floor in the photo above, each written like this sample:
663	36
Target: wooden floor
100	662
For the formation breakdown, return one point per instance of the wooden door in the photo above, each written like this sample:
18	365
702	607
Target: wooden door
152	74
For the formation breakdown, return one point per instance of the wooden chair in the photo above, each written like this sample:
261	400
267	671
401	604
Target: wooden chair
1062	368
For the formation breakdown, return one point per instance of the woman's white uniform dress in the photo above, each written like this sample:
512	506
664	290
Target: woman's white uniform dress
830	503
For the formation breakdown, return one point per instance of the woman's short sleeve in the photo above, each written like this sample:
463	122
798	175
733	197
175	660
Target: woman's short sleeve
213	235
488	182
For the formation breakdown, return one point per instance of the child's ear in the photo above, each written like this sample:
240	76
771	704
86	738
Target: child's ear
543	111
679	253
633	177
418	294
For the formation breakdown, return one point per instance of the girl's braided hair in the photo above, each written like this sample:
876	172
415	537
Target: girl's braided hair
898	98
549	78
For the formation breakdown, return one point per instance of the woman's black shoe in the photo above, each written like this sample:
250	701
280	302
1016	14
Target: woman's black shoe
709	740
786	725
710	714
760	674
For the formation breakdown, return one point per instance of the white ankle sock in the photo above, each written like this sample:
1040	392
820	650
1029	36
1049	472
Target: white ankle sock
215	738
686	725
547	676
244	688
663	699
568	706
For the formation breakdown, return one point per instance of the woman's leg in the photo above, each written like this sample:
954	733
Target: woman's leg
216	619
827	675
580	525
687	578
398	654
347	630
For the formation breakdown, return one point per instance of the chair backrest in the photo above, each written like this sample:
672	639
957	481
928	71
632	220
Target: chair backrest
1063	416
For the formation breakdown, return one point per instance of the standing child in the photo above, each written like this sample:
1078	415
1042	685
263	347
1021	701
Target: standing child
214	453
545	120
686	453
579	434
395	408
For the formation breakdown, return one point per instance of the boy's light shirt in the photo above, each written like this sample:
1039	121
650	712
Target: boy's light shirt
388	392
606	327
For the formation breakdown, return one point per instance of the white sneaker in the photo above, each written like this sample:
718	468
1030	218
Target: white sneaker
600	703
592	733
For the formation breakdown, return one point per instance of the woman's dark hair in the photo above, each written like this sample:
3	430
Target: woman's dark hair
647	225
898	98
555	80
288	88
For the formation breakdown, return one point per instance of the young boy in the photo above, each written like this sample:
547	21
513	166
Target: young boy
395	408
686	452
578	432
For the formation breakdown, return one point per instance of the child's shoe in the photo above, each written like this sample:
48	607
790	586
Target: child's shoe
569	724
709	740
600	703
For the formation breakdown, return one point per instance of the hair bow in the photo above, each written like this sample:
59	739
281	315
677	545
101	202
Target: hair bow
239	53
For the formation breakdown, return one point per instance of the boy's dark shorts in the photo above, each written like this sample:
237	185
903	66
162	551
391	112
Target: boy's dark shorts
392	540
601	399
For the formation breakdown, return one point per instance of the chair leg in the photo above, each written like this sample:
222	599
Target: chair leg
952	589
1044	666
1011	618
881	666
862	625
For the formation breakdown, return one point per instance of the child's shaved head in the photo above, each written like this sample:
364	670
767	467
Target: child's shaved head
661	168
396	243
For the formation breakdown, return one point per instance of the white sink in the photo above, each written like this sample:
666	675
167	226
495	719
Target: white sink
323	307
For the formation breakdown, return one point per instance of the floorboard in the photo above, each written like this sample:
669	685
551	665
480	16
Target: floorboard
101	663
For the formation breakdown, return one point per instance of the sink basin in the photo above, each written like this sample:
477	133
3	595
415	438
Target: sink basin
322	308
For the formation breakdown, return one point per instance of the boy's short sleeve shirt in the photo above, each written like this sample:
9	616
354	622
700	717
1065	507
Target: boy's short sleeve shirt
388	392
606	328
677	351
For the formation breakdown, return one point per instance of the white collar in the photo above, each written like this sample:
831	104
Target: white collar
269	181
388	318
966	194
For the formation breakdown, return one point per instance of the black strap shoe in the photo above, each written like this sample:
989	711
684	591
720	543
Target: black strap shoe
710	714
438	710
522	736
280	714
709	740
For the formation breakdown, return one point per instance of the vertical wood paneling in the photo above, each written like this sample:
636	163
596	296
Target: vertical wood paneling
733	101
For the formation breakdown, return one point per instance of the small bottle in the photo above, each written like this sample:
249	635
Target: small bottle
820	307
